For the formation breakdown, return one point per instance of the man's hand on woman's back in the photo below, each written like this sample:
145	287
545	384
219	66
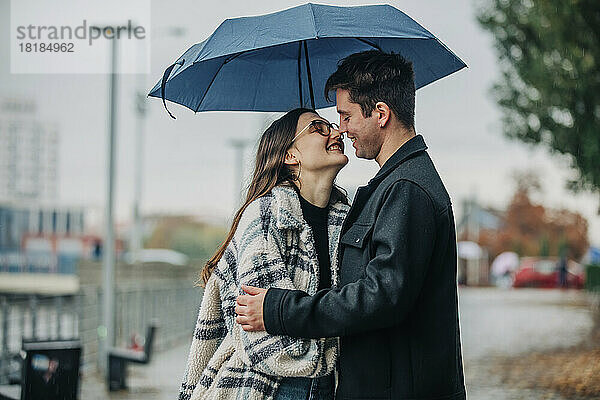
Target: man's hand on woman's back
249	309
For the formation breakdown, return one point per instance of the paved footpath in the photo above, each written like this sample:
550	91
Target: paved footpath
494	323
158	380
500	323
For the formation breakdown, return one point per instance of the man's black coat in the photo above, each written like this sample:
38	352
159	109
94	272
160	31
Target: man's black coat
396	309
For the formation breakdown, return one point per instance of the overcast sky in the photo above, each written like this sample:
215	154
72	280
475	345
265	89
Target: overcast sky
189	166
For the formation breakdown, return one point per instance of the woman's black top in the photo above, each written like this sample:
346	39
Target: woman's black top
316	217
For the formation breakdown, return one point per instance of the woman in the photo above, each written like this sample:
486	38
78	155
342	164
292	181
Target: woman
284	235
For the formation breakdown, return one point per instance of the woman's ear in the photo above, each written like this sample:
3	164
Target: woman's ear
290	159
383	113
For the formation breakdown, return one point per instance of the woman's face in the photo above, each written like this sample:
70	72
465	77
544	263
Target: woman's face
316	152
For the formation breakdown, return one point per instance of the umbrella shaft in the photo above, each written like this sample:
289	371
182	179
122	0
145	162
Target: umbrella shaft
310	86
308	74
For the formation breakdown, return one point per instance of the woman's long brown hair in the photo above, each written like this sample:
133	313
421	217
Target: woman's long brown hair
269	171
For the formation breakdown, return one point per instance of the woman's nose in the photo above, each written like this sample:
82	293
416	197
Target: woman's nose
336	134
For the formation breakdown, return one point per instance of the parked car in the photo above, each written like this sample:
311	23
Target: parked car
543	273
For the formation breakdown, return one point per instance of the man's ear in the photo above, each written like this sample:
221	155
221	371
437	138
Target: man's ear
290	159
383	113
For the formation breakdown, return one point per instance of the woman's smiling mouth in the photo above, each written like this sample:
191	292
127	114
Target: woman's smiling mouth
336	147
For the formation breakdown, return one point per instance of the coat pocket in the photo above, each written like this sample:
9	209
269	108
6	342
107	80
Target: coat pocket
356	252
357	235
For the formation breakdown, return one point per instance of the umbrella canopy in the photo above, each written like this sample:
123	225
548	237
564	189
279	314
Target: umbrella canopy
279	61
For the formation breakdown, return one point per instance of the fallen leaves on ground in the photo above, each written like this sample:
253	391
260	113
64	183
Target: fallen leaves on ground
571	372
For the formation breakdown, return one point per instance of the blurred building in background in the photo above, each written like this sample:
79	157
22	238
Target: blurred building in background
473	259
36	235
35	239
475	218
28	154
526	243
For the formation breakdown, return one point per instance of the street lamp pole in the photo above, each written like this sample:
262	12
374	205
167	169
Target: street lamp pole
136	244
239	145
140	105
107	332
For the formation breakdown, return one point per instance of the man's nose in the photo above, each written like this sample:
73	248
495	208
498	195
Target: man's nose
343	127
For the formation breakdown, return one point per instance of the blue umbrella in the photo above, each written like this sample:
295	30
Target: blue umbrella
279	61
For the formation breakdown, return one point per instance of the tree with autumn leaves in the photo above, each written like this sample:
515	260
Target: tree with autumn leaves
531	229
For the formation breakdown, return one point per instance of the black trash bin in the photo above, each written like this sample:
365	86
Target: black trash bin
51	370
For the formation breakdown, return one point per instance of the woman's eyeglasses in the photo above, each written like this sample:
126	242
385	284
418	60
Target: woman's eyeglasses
321	127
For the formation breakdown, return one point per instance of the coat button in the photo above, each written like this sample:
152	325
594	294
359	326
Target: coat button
357	240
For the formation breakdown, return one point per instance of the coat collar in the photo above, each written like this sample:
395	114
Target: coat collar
286	208
407	150
287	211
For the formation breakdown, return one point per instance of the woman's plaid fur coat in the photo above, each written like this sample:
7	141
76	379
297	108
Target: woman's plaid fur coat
273	247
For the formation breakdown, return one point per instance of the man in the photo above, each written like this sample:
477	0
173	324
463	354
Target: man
396	308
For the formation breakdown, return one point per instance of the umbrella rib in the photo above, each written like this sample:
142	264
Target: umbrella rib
314	23
370	44
299	73
233	57
310	85
209	85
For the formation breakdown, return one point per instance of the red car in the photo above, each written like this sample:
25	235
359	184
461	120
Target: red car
543	273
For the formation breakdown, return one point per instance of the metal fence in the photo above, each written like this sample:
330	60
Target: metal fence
173	304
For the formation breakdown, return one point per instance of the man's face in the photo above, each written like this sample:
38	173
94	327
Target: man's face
365	133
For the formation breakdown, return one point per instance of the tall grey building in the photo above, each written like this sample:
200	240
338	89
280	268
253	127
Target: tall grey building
29	180
28	154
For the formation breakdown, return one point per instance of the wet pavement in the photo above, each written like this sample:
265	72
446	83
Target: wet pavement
157	381
507	323
495	323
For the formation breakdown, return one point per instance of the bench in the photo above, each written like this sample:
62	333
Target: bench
119	358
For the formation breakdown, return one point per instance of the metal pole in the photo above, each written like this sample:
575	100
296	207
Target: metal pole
33	310
136	232
58	303
78	315
140	106
48	315
22	318
5	357
108	255
141	109
239	164
239	145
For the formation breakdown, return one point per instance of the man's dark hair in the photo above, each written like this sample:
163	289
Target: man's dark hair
372	76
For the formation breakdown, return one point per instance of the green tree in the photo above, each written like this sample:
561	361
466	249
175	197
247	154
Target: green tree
549	91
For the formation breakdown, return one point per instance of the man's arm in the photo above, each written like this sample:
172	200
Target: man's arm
403	238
